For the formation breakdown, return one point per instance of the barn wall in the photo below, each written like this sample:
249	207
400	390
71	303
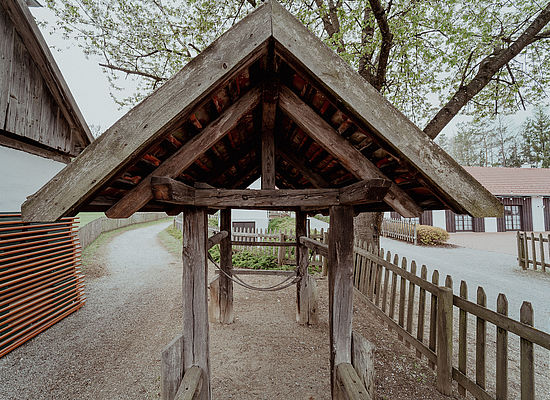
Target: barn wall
27	107
22	175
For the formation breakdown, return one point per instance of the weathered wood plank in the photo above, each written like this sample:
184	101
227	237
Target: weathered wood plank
463	337
341	149
171	368
295	42
191	386
340	279
348	384
280	272
481	338
318	247
410	300
195	298
270	97
302	288
402	297
421	309
152	118
527	364
226	265
502	352
445	341
185	156
43	61
433	316
6	56
169	190
362	359
214	299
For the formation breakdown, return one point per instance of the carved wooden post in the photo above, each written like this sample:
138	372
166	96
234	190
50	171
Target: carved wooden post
445	340
306	289
195	300
226	284
340	281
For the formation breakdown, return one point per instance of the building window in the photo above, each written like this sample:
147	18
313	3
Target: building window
463	222
512	218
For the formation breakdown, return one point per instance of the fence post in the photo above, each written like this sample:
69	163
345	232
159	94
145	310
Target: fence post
281	253
445	340
521	253
415	234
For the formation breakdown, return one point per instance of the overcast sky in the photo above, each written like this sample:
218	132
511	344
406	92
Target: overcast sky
90	87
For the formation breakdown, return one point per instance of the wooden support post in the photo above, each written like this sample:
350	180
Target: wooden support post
195	300
306	290
445	341
214	303
226	265
527	365
340	284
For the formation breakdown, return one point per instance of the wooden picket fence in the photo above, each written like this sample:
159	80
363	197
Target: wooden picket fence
395	292
399	229
533	253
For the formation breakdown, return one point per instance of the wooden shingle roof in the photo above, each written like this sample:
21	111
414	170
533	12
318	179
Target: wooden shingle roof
266	82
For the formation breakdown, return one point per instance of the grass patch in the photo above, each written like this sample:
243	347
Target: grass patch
171	240
87	217
93	261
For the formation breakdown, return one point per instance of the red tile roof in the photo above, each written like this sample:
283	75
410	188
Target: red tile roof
513	181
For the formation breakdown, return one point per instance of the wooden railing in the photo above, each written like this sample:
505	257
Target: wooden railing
422	314
535	253
399	229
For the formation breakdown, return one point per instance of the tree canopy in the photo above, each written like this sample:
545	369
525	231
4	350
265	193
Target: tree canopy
423	56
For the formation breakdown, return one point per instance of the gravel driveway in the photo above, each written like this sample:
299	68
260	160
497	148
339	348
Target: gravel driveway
495	272
114	341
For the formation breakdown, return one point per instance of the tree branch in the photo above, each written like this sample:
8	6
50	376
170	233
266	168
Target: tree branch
385	47
487	68
133	72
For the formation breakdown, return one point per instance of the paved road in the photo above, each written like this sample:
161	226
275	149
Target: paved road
495	272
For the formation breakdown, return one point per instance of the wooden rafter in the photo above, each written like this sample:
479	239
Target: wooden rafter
186	155
351	158
307	172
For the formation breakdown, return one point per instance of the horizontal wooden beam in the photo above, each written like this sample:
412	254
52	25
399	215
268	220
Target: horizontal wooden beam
337	146
216	239
315	245
266	244
169	190
186	155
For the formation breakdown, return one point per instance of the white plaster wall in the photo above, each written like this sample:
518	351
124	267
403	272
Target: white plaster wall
537	206
439	219
491	224
258	216
22	174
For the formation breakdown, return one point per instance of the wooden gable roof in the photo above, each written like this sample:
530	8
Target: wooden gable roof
37	111
267	82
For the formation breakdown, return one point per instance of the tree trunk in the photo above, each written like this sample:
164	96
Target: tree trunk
367	227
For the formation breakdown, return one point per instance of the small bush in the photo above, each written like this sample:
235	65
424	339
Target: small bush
431	235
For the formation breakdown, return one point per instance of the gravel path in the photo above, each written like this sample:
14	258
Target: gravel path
495	272
109	349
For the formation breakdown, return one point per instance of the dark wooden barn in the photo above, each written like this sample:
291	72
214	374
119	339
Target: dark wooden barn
266	100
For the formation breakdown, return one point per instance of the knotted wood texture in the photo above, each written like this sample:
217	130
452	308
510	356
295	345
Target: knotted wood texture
340	286
195	300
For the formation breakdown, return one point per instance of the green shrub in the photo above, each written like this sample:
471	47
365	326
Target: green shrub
246	259
431	235
282	223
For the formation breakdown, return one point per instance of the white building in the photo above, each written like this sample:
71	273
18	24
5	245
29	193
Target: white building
524	192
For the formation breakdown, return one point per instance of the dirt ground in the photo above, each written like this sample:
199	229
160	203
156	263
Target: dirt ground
110	349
